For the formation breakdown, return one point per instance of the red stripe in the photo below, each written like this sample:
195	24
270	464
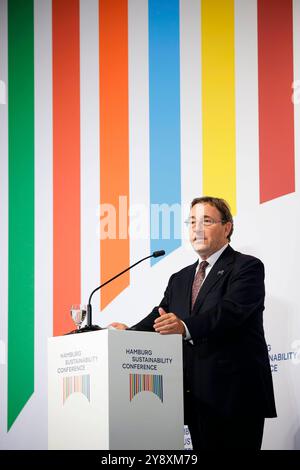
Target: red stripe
276	114
114	138
66	162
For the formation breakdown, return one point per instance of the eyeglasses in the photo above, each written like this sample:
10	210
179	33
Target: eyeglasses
207	222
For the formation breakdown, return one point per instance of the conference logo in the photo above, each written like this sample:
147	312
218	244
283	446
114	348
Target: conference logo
146	383
76	384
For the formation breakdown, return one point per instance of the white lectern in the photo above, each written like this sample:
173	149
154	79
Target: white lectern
114	389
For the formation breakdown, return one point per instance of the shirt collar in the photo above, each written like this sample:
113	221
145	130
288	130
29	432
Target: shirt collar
212	259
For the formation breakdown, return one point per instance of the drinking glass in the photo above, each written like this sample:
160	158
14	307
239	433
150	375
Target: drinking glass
78	314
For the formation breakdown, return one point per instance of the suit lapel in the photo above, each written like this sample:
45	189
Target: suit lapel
216	274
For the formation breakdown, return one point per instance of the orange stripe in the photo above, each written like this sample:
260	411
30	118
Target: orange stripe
66	162
114	140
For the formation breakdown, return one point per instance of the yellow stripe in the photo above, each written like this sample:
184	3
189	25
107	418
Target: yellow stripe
218	98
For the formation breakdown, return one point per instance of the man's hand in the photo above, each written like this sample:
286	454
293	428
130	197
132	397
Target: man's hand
119	326
168	324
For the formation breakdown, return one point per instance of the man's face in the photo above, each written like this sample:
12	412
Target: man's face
205	239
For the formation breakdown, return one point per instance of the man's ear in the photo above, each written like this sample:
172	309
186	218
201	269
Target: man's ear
228	228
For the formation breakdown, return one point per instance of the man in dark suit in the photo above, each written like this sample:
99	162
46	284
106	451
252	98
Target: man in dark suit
217	306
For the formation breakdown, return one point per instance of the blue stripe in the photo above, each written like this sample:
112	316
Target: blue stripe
164	120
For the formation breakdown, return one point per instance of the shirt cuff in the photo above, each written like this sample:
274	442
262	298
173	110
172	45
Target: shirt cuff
187	334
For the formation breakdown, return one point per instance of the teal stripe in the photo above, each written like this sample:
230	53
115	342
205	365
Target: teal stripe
21	206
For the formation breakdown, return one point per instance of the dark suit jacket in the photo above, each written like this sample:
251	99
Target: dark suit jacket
227	367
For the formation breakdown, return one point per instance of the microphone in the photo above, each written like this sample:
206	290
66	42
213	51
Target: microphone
156	254
89	326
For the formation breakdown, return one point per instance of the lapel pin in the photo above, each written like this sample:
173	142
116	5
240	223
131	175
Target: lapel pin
220	273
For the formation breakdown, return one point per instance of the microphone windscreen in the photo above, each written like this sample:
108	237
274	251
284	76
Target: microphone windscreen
156	254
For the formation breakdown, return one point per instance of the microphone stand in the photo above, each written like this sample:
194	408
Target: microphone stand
89	326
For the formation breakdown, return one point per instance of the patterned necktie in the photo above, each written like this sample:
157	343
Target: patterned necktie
198	281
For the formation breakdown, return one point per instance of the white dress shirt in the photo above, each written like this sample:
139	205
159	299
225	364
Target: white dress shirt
212	259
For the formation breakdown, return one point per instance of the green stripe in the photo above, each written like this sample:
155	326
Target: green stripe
21	206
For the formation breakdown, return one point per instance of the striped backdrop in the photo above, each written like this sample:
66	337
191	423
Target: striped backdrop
124	102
